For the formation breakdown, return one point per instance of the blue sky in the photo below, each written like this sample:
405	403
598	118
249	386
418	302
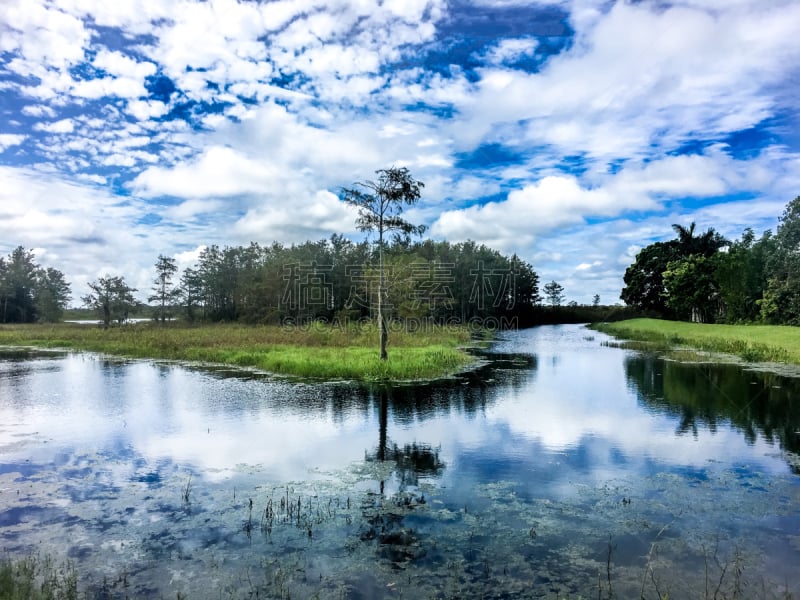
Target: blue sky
572	132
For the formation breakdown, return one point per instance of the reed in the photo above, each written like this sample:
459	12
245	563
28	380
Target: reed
37	578
187	490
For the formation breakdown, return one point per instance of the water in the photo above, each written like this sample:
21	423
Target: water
562	468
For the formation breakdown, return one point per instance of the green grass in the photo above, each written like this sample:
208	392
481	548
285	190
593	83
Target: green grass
315	351
753	343
33	578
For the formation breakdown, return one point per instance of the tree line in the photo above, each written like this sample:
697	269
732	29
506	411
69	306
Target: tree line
706	278
337	279
331	279
29	292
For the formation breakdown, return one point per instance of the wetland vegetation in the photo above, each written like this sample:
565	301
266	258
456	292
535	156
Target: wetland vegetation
314	350
752	343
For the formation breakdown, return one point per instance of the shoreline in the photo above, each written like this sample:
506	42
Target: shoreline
773	348
318	353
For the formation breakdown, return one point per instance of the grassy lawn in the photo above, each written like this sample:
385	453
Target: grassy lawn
318	351
768	343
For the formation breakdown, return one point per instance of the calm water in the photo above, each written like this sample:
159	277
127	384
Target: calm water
562	468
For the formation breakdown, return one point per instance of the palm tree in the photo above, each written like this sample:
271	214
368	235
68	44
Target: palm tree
706	243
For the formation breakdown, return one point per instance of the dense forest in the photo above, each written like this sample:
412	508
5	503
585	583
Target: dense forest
706	278
337	279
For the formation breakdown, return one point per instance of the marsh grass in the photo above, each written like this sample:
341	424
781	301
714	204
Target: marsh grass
752	343
313	351
35	578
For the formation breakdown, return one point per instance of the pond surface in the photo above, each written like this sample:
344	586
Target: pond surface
562	468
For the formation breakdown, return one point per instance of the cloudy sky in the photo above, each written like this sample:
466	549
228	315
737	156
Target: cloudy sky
572	132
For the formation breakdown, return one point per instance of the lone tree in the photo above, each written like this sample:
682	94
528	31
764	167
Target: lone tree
112	298
163	290
380	204
554	292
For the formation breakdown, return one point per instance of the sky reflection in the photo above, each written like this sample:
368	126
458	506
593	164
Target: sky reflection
552	434
572	412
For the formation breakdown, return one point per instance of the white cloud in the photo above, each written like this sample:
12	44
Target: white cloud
62	126
38	110
143	110
588	266
219	171
98	179
546	222
562	200
44	36
120	87
323	214
83	225
7	140
119	65
553	202
511	50
193	209
188	258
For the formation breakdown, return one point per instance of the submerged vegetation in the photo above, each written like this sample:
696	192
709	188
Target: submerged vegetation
35	578
414	543
753	343
315	351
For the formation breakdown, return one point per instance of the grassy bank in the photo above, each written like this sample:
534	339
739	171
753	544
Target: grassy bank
318	351
754	343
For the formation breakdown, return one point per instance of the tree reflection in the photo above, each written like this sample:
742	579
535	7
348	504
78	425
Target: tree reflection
412	460
755	403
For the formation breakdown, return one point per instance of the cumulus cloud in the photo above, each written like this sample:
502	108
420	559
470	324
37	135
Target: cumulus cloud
322	214
62	126
7	140
510	51
219	171
553	202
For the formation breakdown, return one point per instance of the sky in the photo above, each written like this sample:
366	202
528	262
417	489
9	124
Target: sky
570	132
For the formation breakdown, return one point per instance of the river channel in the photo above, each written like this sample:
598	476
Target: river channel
561	468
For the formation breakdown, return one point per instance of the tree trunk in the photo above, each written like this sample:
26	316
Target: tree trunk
381	321
384	335
163	299
383	424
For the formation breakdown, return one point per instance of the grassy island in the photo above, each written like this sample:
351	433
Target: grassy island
314	351
753	343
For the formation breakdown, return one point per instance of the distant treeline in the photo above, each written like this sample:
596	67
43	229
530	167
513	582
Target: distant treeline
333	280
337	279
707	278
